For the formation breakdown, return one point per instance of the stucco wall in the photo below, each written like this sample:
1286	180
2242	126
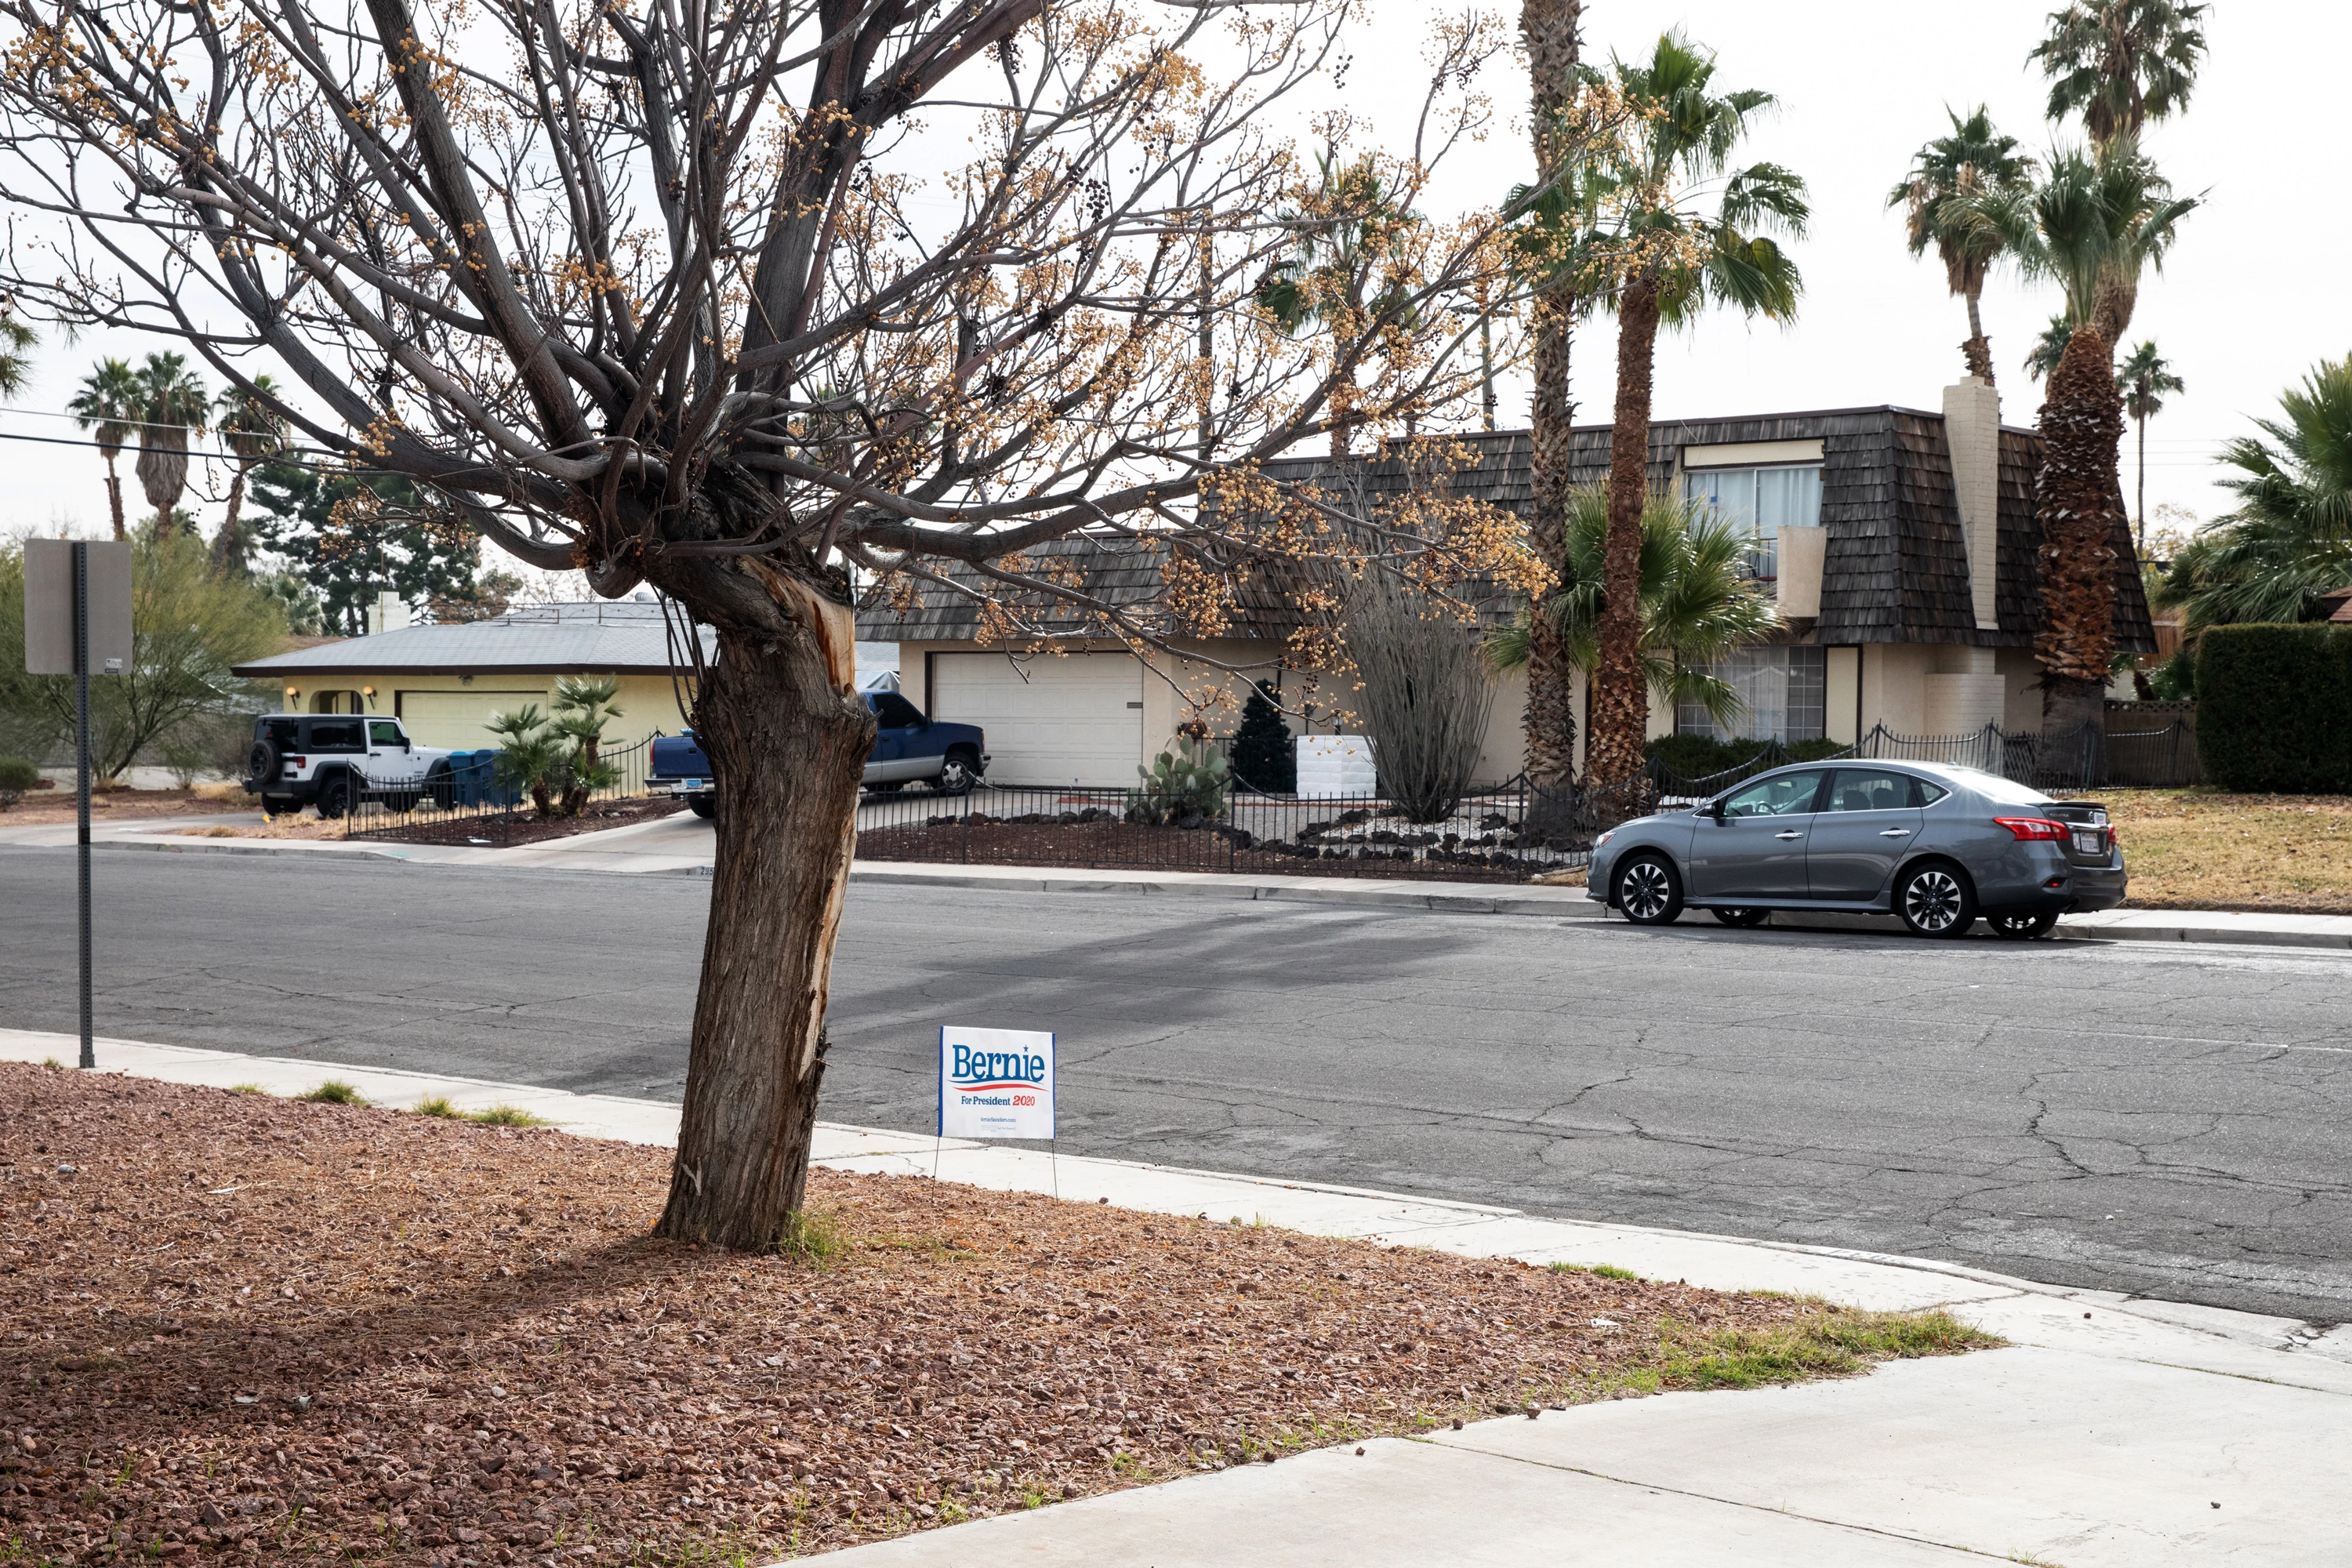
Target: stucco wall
645	701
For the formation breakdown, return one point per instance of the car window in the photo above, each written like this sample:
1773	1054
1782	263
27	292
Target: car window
896	713
1782	795
336	735
1928	794
382	732
286	733
1873	789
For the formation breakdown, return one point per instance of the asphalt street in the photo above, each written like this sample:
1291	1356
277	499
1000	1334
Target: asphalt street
2151	1119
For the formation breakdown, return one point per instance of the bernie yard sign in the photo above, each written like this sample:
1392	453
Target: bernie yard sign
996	1083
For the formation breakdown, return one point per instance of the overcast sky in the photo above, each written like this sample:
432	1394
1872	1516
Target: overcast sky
2251	298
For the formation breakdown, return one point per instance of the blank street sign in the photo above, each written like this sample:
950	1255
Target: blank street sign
50	608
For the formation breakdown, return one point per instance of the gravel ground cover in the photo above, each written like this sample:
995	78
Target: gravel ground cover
254	1330
426	826
2201	850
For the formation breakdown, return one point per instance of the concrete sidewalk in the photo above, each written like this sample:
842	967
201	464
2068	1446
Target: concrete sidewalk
2113	1431
681	845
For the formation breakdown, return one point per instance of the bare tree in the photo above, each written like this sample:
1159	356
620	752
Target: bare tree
735	302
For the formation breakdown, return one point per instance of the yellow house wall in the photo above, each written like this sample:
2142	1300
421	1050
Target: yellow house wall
646	703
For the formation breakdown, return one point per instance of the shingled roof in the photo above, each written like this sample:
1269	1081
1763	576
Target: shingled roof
1896	566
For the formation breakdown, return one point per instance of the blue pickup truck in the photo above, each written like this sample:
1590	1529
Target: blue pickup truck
906	747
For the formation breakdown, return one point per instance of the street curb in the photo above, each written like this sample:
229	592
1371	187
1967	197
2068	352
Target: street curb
1448	898
252	846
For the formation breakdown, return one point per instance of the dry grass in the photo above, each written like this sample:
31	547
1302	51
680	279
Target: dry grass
2199	850
247	1329
52	805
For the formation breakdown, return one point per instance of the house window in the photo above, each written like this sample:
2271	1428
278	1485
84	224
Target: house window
1763	501
1785	688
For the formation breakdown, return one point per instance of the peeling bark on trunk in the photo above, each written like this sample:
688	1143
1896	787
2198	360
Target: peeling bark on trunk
228	545
1548	29
2078	500
1619	721
787	737
1978	350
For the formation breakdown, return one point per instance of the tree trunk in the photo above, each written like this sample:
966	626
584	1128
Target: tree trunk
1549	31
228	545
1620	718
2139	537
1978	350
162	469
787	737
2076	498
114	497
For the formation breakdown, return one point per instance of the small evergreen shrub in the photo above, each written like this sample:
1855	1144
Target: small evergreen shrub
1265	756
2274	708
17	776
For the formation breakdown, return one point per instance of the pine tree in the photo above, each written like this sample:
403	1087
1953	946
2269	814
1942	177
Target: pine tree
1264	757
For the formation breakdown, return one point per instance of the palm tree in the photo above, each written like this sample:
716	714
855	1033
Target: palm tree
1974	157
2147	380
2050	347
108	404
2093	224
1652	256
2290	537
1697	601
173	404
1344	270
2121	63
1548	31
249	420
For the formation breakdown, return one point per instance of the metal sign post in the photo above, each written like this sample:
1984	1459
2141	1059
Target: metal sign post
90	584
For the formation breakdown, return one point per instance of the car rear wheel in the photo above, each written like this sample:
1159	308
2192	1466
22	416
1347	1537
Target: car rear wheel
1649	892
957	774
1741	917
2022	926
1934	899
703	806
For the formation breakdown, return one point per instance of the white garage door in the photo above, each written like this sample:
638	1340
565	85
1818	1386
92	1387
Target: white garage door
1077	720
460	720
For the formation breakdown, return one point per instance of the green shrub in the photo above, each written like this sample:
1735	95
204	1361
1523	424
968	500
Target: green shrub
1265	757
2175	680
1185	782
17	776
2274	708
334	1091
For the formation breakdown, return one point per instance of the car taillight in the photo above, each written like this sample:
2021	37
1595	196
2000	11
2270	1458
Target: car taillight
2034	827
302	762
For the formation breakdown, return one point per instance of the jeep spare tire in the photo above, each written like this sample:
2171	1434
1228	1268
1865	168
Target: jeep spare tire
263	763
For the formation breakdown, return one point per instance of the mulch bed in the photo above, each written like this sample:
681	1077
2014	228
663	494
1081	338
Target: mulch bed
521	827
1133	846
239	1328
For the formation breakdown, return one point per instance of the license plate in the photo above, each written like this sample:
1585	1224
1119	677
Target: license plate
2090	841
684	784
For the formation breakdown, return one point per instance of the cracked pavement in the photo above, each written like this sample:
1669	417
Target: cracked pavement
2147	1118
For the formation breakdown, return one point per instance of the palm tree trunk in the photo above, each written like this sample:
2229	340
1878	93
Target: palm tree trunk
1978	350
1548	29
114	497
228	546
1620	716
2140	534
2076	498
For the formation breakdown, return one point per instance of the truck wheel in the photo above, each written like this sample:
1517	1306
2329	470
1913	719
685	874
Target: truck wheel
703	806
957	774
335	796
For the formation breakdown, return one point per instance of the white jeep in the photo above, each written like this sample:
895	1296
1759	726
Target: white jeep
332	760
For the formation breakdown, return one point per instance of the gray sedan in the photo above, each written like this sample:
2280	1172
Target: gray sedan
1937	845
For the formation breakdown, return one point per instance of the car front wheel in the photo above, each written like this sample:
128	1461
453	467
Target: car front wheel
1934	899
1649	892
957	774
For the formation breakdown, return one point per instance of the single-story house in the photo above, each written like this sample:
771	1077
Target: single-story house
1900	544
447	684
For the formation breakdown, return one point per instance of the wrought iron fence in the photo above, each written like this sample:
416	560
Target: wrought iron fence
2081	759
466	802
1507	834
